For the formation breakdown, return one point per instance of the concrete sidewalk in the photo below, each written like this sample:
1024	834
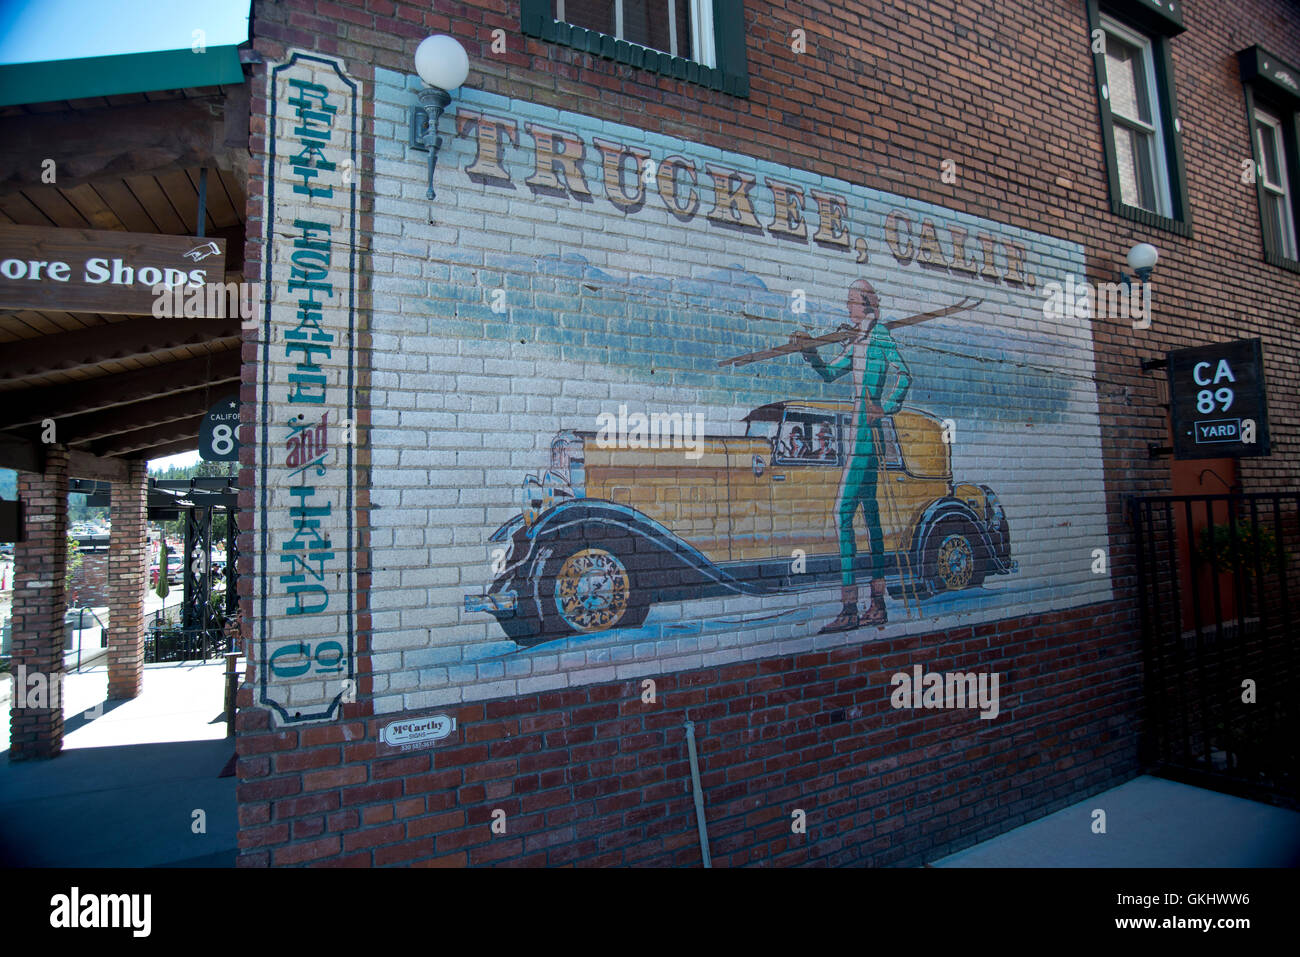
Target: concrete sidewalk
1150	822
124	791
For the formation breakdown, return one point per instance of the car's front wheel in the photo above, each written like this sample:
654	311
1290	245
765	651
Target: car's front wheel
594	592
955	557
577	588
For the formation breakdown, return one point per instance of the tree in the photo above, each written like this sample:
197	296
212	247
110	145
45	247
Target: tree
74	562
79	511
162	587
197	470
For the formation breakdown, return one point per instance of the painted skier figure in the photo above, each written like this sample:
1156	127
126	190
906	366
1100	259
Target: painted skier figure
869	356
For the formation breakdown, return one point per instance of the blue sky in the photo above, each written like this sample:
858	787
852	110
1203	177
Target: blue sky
32	31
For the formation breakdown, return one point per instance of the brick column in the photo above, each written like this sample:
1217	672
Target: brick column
40	566
128	566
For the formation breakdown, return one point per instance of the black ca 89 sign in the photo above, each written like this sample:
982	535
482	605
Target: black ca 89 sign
1217	400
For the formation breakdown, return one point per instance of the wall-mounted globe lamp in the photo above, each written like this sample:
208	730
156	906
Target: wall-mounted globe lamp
443	65
1142	260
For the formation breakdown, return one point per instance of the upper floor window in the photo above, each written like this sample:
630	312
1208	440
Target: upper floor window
700	41
682	28
1272	89
1140	157
1276	205
1139	111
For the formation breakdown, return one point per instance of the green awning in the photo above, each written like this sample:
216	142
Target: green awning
126	73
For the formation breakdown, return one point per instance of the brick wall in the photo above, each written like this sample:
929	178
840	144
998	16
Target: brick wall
40	563
594	776
129	562
587	772
90	581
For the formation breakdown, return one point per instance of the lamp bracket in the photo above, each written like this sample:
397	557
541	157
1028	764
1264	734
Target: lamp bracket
424	128
432	102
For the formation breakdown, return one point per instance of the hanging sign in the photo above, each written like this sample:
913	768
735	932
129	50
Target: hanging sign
1217	400
105	271
219	432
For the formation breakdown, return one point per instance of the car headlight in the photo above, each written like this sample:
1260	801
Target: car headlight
567	463
533	499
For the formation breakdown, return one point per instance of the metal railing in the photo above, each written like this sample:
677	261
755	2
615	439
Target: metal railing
74	624
168	642
1218	592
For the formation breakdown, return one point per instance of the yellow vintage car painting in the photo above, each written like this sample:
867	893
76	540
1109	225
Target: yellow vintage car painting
606	532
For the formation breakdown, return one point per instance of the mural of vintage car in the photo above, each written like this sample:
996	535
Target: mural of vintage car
606	532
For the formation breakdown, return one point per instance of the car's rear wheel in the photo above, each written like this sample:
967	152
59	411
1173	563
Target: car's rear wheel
955	557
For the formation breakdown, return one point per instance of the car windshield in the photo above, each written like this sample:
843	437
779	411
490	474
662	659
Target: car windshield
809	437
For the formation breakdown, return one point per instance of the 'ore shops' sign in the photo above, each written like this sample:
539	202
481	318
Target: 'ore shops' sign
306	528
1217	401
101	270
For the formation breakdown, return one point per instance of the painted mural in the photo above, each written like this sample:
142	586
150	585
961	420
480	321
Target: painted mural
696	407
603	533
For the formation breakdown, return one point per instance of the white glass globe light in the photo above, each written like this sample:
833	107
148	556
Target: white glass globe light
1143	256
442	62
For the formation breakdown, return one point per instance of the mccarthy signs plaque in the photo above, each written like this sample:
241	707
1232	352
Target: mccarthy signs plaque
1218	402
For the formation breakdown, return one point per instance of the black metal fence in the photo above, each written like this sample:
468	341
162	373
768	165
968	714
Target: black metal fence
1219	597
168	638
184	644
209	597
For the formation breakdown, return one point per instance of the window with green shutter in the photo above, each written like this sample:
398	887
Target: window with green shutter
700	41
1272	90
1140	127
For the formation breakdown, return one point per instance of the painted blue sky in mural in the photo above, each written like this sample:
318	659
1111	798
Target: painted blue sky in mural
962	366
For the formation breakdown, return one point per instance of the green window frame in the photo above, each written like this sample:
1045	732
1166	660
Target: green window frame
1272	86
1152	23
729	74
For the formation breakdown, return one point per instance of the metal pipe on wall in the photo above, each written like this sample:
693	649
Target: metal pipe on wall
699	794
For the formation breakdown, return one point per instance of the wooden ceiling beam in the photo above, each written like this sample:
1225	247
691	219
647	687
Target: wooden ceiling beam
22	454
154	436
120	141
83	348
31	406
83	465
83	429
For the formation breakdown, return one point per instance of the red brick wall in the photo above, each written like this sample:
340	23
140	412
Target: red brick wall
40	567
90	581
594	776
883	95
129	564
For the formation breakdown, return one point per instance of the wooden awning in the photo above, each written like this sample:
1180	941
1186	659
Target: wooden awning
119	386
